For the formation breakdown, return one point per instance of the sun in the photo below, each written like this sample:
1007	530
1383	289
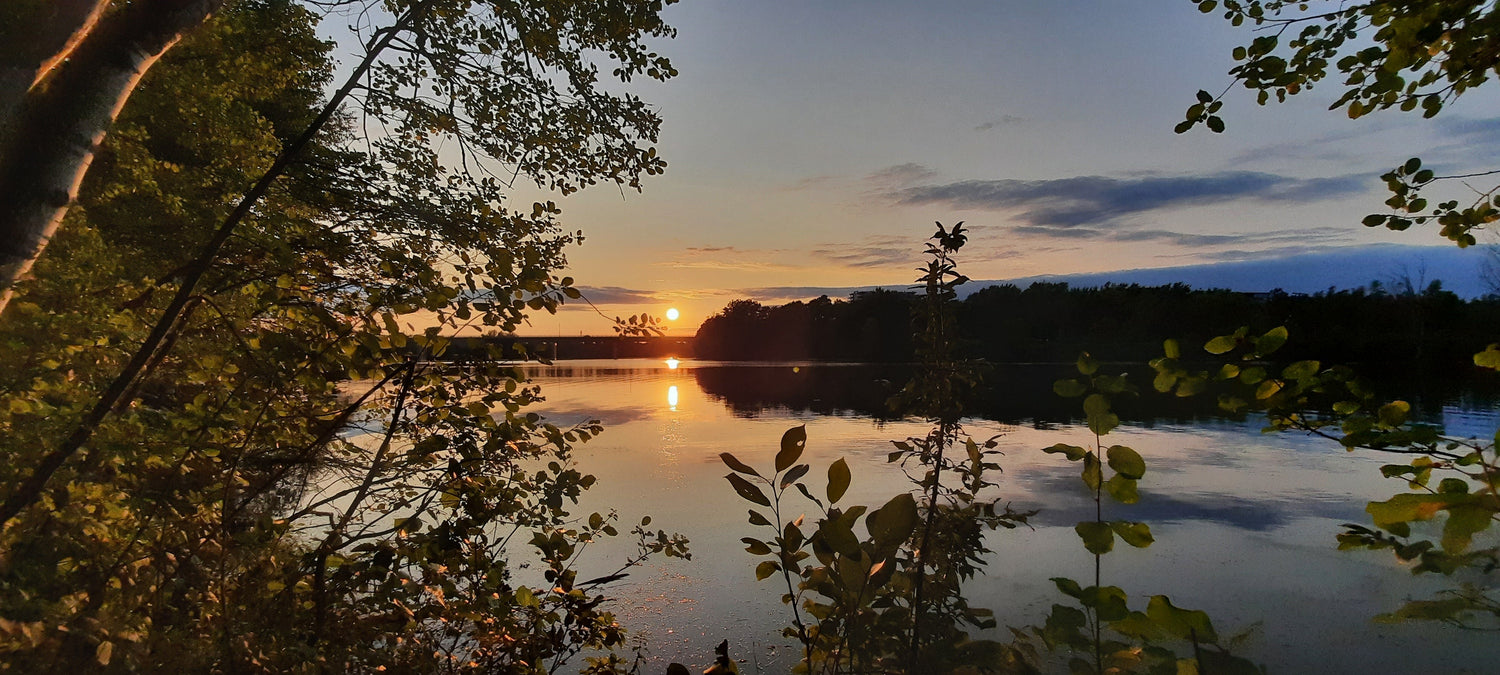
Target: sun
672	313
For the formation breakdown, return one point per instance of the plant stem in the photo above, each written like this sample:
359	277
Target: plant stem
1098	518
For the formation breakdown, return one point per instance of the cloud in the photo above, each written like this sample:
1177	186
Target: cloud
1003	121
617	295
1102	200
771	294
729	258
748	265
810	183
1256	515
1470	128
1293	239
872	251
1334	146
1470	145
900	175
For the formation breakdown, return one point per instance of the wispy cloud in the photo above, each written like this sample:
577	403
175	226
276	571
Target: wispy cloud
1469	144
1342	145
900	175
1101	200
616	295
729	258
810	183
792	293
1292	238
1002	121
746	265
872	251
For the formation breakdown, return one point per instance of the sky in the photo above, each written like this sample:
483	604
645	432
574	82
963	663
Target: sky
812	144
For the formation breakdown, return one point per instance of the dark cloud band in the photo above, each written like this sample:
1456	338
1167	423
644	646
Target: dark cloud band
1100	200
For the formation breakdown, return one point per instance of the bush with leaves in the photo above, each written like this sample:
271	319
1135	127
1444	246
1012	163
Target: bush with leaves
885	595
229	446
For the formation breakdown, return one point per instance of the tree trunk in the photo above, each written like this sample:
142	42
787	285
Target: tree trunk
36	35
65	113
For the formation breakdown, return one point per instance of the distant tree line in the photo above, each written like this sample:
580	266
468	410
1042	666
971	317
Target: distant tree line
1049	322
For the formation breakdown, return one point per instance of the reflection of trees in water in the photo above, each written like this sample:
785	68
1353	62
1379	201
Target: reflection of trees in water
824	389
1022	393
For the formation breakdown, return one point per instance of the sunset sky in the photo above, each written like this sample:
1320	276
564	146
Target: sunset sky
813	144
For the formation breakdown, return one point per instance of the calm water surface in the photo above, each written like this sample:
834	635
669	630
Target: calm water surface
1244	522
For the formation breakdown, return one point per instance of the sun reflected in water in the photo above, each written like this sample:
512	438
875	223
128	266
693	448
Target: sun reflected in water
672	398
672	363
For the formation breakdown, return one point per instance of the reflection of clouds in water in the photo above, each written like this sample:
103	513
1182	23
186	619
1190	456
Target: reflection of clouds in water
1063	500
1465	422
608	416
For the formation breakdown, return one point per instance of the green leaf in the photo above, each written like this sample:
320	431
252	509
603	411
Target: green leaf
1138	625
838	480
796	472
1267	389
734	463
748	491
1069	388
1122	489
1092	475
792	444
1086	364
1171	349
1300	370
1126	461
839	536
1394	413
756	518
1191	386
1405	508
766	568
755	546
1489	358
1068	587
1452	486
1464	521
1108	601
1221	345
1103	424
1097	537
1073	452
1188	624
1271	341
1135	534
1095	404
893	523
1100	419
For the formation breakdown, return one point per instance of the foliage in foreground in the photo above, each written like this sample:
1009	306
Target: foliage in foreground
890	599
292	483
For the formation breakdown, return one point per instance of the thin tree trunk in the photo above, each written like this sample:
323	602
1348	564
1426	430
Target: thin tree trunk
119	393
34	37
60	123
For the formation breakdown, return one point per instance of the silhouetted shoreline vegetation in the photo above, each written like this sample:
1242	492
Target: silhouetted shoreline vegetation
1052	322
